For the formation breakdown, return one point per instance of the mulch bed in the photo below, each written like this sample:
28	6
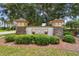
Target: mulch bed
62	45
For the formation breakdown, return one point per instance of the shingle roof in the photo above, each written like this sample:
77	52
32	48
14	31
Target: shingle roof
56	21
21	20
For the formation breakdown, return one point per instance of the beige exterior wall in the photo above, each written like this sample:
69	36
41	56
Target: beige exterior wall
39	30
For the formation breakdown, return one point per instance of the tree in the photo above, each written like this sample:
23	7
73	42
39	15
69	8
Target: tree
73	25
28	11
46	11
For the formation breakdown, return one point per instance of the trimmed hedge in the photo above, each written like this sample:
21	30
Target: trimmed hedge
69	39
67	33
10	38
54	40
23	39
38	39
41	39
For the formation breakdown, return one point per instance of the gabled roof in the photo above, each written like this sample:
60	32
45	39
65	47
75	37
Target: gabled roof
56	21
21	20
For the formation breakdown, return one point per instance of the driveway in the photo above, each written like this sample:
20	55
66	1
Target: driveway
7	32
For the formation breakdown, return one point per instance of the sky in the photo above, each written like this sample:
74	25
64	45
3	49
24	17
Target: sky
3	14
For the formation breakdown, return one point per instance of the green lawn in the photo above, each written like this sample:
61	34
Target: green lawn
5	30
14	51
2	30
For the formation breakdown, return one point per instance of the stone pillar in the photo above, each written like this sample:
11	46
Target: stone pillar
20	30
50	31
58	32
21	25
57	27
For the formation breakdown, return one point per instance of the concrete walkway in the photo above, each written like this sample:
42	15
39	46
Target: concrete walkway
7	32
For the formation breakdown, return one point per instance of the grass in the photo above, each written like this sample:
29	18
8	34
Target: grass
2	30
40	51
5	30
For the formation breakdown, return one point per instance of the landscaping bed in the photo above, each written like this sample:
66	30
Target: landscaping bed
60	49
37	39
63	45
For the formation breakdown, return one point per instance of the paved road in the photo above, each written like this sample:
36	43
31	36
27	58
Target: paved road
7	32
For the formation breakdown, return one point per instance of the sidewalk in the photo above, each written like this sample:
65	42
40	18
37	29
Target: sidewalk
7	32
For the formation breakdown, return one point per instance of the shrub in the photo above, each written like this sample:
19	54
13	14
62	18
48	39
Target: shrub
10	38
38	39
54	40
69	39
67	33
23	39
41	39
